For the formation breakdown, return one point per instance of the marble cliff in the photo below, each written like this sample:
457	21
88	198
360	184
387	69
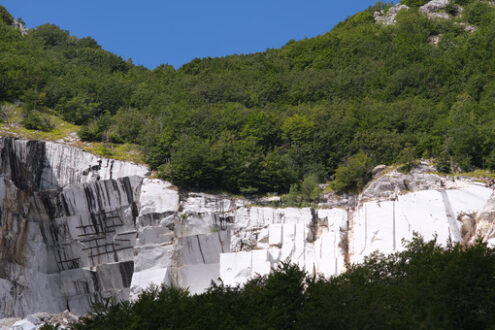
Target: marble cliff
76	228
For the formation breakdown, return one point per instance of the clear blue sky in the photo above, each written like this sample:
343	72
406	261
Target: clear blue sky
152	32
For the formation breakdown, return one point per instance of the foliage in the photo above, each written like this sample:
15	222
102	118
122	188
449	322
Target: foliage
425	286
414	3
5	17
262	122
452	9
96	129
310	188
353	174
37	121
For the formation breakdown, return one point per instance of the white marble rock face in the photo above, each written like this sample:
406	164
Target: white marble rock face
76	228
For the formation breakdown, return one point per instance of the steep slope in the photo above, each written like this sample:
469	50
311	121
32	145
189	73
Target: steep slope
76	228
257	123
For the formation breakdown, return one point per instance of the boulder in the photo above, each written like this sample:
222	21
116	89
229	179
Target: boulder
433	6
377	170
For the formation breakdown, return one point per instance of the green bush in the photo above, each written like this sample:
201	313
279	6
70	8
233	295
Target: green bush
37	121
414	3
96	130
51	35
128	124
353	174
443	163
310	188
78	110
479	13
5	16
462	2
452	9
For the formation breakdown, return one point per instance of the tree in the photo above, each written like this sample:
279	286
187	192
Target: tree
5	16
353	174
51	35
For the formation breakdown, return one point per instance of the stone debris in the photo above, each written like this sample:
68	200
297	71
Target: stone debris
38	320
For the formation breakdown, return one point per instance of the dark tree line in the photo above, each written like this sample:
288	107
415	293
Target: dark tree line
424	287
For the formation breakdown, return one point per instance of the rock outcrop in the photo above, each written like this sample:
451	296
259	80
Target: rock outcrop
388	17
434	6
67	227
434	9
18	24
484	226
76	228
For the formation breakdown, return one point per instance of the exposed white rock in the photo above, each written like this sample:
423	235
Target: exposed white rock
237	268
179	248
434	5
377	170
158	196
388	18
394	182
37	320
23	325
68	165
434	39
467	27
383	225
20	26
433	9
438	15
76	228
485	224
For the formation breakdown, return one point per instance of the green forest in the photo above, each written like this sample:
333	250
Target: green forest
423	287
319	109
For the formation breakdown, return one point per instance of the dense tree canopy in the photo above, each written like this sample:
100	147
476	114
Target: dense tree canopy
263	122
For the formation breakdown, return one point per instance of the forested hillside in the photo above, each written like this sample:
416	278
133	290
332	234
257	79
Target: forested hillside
330	106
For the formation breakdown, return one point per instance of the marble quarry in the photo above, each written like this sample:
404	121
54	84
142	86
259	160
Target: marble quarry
76	228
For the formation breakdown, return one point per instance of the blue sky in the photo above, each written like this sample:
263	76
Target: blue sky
175	32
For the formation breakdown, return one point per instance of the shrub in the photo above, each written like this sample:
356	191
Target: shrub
463	2
77	110
353	174
414	3
128	124
452	9
5	16
443	163
310	188
96	130
478	13
37	121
